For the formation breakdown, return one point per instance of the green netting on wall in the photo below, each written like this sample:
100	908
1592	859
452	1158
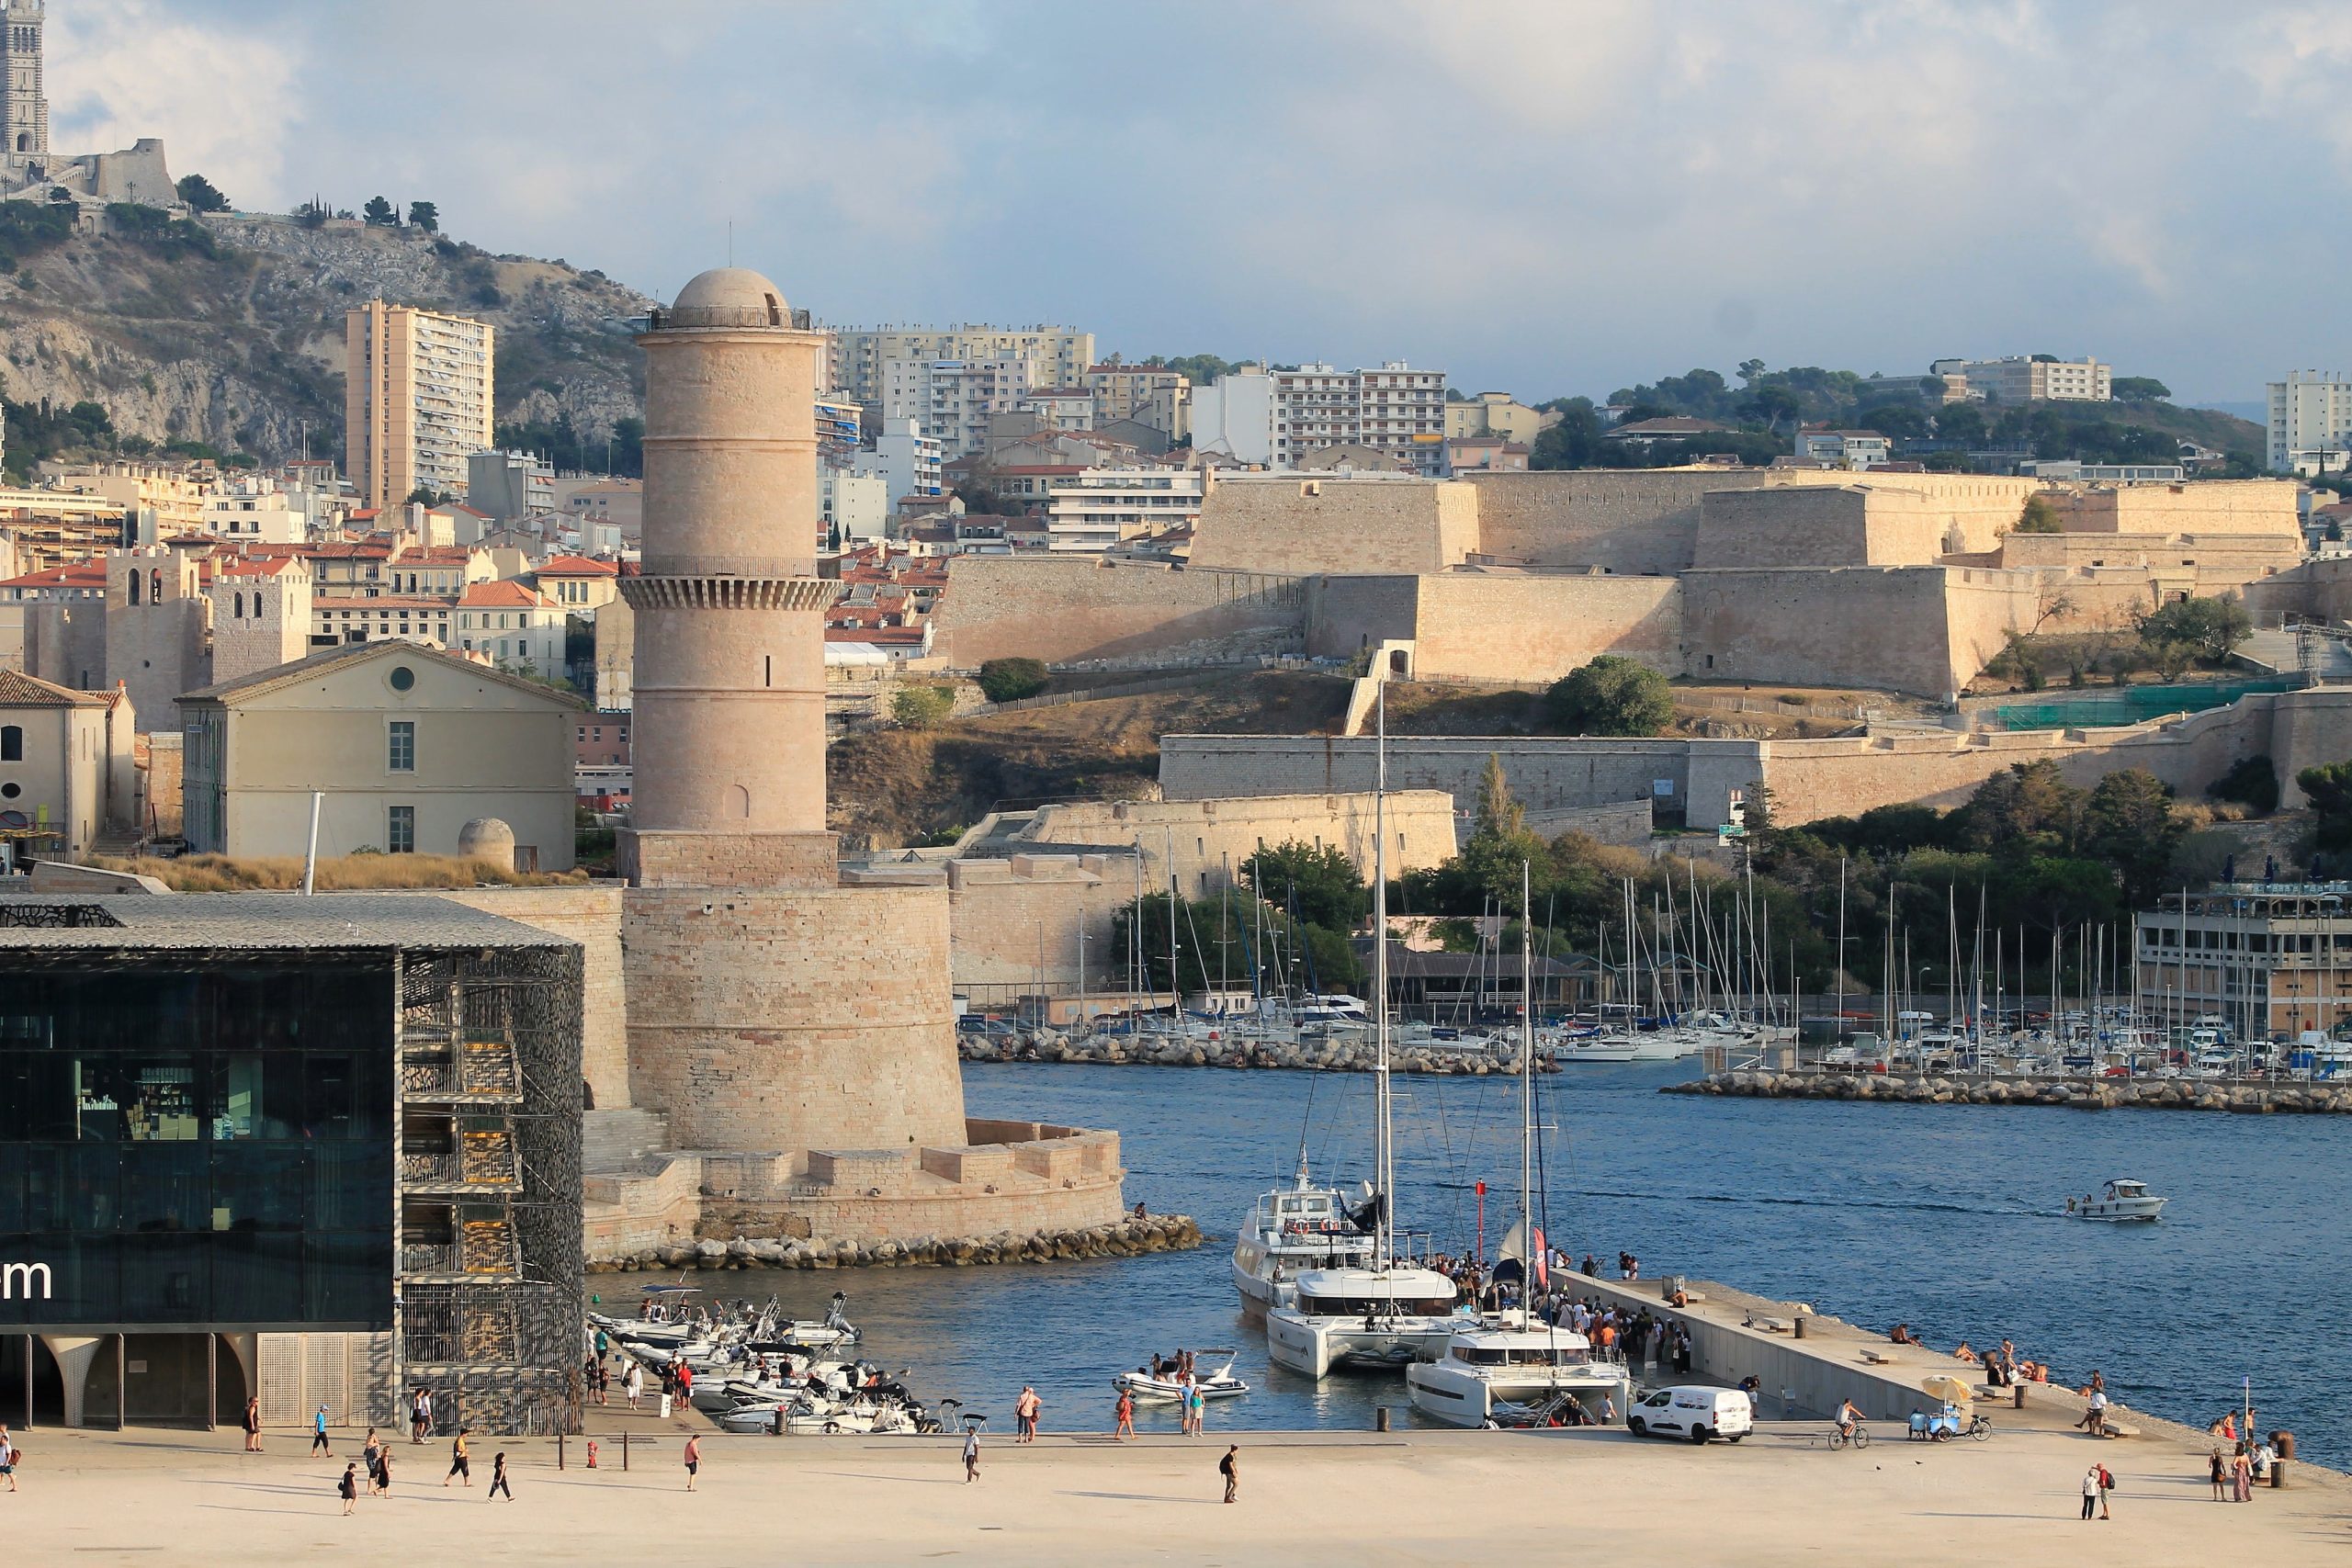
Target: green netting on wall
2133	704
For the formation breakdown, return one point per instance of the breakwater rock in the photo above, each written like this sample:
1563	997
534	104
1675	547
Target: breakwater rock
1126	1239
1313	1055
2081	1094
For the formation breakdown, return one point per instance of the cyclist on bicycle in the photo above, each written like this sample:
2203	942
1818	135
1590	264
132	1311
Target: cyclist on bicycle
1847	1417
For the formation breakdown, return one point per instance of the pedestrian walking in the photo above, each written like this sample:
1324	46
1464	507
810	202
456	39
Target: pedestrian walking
2217	1471
2241	1473
349	1487
2106	1490
1126	1427
318	1433
253	1425
971	1455
384	1474
2090	1492
634	1384
694	1460
460	1465
498	1477
10	1455
1230	1468
371	1454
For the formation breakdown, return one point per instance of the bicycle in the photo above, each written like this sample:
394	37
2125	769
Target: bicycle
1979	1427
1857	1436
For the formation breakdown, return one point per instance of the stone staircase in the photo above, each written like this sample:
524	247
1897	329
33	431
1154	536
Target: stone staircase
116	843
618	1141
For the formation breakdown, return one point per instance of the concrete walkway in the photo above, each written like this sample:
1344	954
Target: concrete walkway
165	1498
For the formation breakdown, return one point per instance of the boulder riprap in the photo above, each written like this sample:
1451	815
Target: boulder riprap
1327	1055
1128	1237
2081	1094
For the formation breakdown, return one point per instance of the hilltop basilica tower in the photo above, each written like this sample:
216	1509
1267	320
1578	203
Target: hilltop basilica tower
23	105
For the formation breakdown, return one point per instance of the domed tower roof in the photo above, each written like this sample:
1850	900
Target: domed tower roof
728	297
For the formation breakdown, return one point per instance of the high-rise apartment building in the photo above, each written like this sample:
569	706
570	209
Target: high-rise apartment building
856	355
1395	409
953	399
415	401
2030	378
2311	421
24	106
1149	394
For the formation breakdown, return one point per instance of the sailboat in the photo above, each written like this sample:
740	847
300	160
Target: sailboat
1386	1311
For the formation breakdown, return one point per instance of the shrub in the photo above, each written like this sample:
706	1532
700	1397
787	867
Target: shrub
1609	696
922	707
2252	782
2039	517
2211	628
1010	679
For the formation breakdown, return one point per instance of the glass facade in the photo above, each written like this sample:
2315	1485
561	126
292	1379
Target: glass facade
187	1141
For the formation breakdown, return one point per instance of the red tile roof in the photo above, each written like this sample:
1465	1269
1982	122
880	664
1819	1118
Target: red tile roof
578	566
503	596
76	574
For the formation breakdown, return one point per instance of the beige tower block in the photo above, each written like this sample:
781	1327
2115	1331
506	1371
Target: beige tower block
729	680
792	1020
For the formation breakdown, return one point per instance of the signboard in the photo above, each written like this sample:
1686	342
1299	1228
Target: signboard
1661	786
19	1282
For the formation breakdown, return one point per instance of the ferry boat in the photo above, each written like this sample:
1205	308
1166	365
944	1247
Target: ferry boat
2121	1199
1504	1359
1289	1229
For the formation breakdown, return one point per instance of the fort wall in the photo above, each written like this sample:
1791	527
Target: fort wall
1515	626
1921	629
1067	608
1298	524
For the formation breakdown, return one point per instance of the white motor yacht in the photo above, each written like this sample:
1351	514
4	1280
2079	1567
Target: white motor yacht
2120	1201
1289	1229
1504	1359
1362	1317
1595	1048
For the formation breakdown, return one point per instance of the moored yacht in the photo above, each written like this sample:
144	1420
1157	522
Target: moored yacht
1367	1316
1289	1229
1503	1358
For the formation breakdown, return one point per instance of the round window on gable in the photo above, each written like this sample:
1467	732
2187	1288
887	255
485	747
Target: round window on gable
402	677
10	791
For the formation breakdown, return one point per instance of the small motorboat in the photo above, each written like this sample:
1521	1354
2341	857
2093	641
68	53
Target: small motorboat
1218	1384
2120	1199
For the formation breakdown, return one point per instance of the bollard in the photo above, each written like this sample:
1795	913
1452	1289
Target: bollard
559	1450
1380	1417
2284	1442
624	1450
2019	1403
2278	1475
592	1453
776	1423
1796	1325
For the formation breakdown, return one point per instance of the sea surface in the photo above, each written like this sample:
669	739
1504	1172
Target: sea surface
1950	1218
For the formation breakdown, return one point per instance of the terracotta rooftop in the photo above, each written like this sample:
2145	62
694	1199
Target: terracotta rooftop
578	566
18	689
502	595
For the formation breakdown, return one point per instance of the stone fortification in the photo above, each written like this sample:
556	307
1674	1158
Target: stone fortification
2319	589
1208	837
2260	508
1808	779
1921	629
1477	624
1624	521
1900	520
1066	609
1299	523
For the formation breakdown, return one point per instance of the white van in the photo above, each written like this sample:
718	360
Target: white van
1695	1412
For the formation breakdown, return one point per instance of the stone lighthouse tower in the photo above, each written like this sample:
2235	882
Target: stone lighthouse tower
771	1010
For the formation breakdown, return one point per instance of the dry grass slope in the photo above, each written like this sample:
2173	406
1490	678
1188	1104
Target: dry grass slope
220	873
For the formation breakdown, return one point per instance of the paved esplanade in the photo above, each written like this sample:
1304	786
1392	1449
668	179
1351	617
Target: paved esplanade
163	1498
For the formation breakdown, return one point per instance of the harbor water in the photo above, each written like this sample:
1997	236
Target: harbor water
1949	1218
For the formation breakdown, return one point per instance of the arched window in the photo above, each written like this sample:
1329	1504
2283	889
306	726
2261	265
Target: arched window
155	586
241	607
11	743
24	141
134	588
739	801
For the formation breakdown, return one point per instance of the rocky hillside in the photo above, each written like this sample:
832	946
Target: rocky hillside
236	342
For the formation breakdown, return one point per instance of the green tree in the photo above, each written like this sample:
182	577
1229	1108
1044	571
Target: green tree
1960	422
1488	865
2213	627
2127	822
1609	696
922	707
2138	389
1571	441
2252	782
2038	516
426	495
202	195
1010	679
2329	785
379	212
425	216
2027	807
1323	884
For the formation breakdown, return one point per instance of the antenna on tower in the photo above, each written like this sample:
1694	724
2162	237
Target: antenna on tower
731	242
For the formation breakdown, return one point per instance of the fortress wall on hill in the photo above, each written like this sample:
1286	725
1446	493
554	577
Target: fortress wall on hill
1510	626
1300	524
1920	629
1072	607
1625	520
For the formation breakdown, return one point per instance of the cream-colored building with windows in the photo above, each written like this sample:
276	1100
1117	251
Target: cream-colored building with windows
856	355
1496	415
513	627
407	744
65	764
416	398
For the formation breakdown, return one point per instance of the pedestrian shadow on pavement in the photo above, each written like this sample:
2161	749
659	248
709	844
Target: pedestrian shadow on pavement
1140	1497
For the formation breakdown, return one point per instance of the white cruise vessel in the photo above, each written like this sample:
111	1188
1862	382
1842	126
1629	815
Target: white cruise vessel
1369	1316
1288	1230
1502	1359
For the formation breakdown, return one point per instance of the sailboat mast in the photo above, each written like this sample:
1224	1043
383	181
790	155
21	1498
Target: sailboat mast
1384	1154
1526	1085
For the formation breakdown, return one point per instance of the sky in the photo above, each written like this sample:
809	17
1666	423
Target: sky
1545	197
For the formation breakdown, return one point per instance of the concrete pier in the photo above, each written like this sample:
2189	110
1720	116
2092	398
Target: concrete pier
2250	1098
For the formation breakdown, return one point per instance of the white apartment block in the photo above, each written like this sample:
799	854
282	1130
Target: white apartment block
1097	508
2311	421
1395	410
1234	415
955	399
908	461
257	512
858	504
1062	354
2024	379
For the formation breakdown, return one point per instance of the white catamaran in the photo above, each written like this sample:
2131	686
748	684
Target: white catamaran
1383	1312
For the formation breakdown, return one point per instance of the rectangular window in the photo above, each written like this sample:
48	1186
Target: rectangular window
402	747
399	830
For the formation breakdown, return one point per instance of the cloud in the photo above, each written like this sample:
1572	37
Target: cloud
1564	197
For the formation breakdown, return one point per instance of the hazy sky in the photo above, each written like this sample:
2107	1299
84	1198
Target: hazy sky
1546	195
